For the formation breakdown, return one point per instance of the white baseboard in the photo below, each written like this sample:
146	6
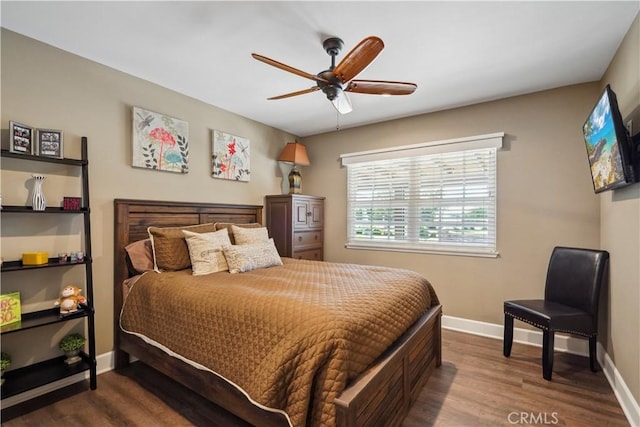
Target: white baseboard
629	405
564	343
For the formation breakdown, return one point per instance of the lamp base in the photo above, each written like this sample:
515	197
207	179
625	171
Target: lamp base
295	181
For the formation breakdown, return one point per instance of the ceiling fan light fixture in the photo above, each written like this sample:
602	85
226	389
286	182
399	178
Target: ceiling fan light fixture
332	91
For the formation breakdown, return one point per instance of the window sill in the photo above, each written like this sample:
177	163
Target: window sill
485	253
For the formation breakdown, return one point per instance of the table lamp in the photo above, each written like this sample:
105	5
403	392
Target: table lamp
296	154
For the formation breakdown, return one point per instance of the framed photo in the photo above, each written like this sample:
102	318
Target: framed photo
49	143
21	138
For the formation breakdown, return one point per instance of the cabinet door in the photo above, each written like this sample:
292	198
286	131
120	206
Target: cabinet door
308	213
301	213
316	219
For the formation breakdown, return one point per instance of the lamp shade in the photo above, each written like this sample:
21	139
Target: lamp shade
296	153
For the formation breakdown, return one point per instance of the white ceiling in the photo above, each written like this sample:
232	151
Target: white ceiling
458	53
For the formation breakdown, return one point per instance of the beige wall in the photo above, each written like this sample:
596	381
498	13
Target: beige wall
48	88
620	227
545	195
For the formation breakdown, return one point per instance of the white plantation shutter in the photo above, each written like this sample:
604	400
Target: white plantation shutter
436	197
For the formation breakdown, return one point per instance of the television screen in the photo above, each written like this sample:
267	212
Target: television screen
606	141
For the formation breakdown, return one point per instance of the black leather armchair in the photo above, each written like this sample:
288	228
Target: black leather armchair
570	303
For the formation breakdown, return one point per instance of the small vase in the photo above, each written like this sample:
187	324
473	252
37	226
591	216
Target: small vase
38	201
73	356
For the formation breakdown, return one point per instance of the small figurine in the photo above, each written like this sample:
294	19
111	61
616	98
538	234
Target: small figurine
69	299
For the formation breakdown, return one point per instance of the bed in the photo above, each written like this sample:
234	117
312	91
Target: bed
380	395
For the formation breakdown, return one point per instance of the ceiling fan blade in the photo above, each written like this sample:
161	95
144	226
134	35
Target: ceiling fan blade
358	58
288	68
342	102
300	92
381	87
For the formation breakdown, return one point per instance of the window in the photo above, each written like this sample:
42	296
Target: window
434	197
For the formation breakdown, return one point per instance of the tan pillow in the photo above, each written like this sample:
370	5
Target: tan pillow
205	250
170	251
245	236
140	255
243	258
227	225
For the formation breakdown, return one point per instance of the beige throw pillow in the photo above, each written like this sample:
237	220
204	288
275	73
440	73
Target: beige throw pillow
170	251
243	258
228	225
205	250
245	236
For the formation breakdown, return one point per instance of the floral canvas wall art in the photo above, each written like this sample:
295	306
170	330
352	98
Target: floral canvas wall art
231	157
160	142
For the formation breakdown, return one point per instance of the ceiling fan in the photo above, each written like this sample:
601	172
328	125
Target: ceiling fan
332	81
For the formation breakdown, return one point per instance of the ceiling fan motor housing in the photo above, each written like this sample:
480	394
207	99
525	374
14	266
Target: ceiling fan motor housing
332	86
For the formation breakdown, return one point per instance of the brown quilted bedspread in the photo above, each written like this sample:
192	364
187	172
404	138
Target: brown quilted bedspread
291	336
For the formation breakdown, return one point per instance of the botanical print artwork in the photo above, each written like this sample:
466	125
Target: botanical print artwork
231	157
160	142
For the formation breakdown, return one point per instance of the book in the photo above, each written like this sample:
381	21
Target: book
10	309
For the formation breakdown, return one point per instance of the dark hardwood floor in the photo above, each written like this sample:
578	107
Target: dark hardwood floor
475	386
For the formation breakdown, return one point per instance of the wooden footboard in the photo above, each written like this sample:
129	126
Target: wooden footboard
382	395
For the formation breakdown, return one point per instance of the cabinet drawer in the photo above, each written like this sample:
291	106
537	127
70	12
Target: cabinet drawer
312	254
307	238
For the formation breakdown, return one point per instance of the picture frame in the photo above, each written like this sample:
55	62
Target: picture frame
160	142
49	143
21	138
230	157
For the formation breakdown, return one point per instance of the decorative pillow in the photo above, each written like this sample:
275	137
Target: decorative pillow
205	250
140	256
243	258
227	225
245	236
170	251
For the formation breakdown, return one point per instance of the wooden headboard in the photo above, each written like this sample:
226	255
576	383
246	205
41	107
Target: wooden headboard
133	217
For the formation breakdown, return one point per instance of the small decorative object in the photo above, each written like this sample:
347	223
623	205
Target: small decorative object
296	154
71	203
5	362
80	256
38	201
21	138
35	258
71	346
70	300
231	157
62	258
49	143
73	257
160	142
10	309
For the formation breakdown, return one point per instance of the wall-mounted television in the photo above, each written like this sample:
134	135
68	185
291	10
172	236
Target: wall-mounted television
609	145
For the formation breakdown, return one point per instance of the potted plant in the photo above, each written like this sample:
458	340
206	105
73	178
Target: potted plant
71	346
4	364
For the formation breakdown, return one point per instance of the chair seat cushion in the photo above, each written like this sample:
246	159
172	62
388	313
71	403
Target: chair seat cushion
551	316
